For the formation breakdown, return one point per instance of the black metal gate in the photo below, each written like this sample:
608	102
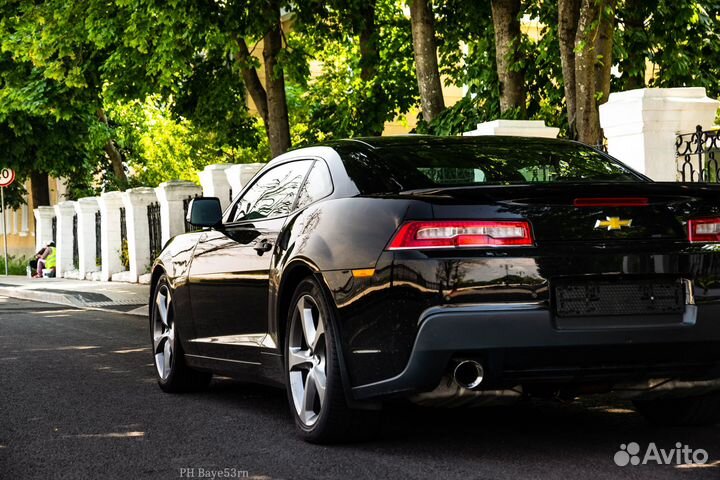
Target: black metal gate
98	238
54	230
124	251
76	250
153	216
697	156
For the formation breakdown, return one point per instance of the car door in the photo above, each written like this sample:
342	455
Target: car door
229	274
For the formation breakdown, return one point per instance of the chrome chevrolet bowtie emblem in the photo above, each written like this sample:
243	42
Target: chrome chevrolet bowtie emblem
613	223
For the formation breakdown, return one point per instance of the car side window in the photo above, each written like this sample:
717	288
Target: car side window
273	194
318	185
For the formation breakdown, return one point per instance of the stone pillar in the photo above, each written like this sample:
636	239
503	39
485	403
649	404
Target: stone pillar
171	196
515	128
85	208
239	175
43	225
64	212
641	125
110	204
215	183
24	228
136	201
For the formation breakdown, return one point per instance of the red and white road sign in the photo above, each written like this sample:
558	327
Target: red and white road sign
7	176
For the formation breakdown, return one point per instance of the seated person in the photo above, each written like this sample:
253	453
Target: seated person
45	259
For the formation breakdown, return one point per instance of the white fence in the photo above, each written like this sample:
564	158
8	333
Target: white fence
113	236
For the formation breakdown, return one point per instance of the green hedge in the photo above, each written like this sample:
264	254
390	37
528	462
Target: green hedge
16	265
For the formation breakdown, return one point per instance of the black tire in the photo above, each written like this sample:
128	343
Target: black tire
335	422
682	411
178	377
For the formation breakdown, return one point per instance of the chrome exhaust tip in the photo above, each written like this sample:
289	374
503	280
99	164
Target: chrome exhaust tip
468	374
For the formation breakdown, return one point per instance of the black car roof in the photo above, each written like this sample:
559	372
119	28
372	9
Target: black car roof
377	143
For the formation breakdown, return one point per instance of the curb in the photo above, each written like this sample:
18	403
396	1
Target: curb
48	296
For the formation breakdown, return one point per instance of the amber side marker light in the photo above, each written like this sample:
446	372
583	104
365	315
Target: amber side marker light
462	233
363	273
704	230
611	202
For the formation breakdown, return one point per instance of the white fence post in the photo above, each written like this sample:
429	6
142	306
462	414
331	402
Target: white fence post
43	227
239	175
514	128
86	208
215	183
136	201
641	126
110	204
171	196
64	212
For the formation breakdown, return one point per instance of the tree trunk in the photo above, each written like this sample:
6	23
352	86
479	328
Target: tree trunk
506	21
252	80
587	118
603	50
39	189
426	63
369	56
278	123
568	15
253	84
373	108
116	160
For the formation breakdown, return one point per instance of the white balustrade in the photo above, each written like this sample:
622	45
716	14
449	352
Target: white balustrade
240	175
514	128
171	196
64	213
110	204
85	209
215	183
136	201
641	126
43	226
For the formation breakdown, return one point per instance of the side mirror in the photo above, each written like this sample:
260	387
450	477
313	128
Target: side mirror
204	212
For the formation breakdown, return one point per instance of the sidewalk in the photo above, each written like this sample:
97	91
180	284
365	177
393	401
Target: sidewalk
112	296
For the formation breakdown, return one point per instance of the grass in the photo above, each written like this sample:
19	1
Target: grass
16	265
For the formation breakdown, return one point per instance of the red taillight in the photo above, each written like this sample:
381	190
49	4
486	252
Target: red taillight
611	202
704	230
445	234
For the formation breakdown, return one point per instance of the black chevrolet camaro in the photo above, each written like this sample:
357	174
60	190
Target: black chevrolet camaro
447	271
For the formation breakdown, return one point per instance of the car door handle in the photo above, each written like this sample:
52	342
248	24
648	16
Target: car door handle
262	247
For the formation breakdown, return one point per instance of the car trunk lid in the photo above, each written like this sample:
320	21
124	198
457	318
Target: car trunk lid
619	212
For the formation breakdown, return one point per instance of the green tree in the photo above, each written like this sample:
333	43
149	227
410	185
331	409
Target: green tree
679	40
363	74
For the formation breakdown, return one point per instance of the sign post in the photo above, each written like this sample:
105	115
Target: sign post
7	177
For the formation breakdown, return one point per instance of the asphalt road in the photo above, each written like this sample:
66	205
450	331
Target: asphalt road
78	400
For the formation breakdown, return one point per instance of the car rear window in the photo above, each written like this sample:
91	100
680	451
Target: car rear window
428	165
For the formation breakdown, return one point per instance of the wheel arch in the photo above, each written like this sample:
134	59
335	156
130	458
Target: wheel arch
292	275
157	272
295	273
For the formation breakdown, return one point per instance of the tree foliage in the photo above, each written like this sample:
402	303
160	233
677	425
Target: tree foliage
156	89
343	99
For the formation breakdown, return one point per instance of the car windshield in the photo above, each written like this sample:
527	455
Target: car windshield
440	165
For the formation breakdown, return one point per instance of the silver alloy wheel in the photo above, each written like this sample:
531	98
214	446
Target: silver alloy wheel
163	332
307	360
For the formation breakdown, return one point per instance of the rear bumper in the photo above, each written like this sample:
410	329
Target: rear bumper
521	344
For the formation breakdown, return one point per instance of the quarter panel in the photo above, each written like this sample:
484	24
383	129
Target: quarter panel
348	233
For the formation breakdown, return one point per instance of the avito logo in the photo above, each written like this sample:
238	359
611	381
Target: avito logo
629	454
